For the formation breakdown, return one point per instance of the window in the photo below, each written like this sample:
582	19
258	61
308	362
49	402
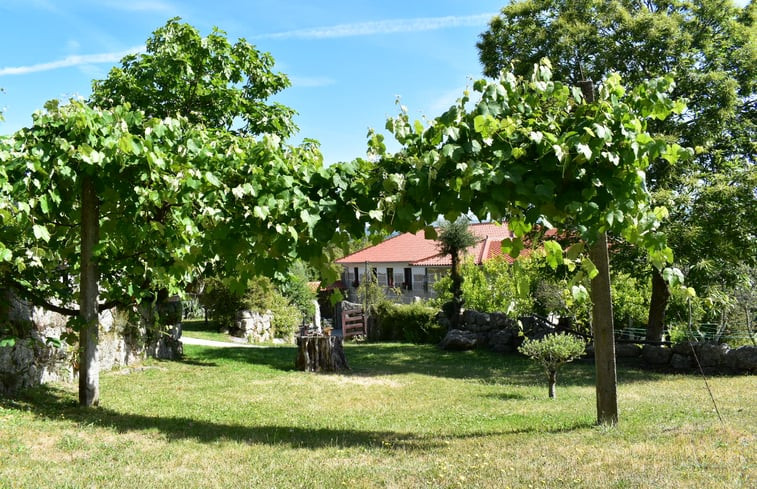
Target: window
408	285
357	277
390	277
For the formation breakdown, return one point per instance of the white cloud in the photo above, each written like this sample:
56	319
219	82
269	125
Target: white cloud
383	27
139	6
68	61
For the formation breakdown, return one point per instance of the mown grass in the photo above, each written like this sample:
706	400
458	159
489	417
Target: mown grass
197	328
404	416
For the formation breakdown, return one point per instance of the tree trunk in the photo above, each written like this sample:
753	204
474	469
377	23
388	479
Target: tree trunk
316	353
552	374
604	335
657	305
89	367
601	318
457	293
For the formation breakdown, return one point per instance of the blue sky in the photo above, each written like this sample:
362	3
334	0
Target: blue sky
348	60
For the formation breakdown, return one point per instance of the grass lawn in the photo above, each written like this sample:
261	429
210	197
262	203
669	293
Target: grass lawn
196	328
405	416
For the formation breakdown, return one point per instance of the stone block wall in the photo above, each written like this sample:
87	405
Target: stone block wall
713	357
502	334
34	359
493	330
253	326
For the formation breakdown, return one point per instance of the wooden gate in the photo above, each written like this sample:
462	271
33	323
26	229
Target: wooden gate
353	323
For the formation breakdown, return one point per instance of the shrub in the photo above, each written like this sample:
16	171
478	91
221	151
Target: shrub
630	300
494	286
297	291
260	296
415	323
552	352
222	304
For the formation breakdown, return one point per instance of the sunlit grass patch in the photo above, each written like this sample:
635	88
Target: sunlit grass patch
404	416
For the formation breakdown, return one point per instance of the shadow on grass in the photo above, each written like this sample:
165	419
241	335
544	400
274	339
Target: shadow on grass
199	325
381	359
277	357
55	405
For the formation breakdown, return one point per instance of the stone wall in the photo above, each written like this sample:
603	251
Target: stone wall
253	326
493	330
40	356
713	357
502	334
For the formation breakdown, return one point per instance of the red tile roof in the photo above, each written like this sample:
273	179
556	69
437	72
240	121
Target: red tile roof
415	249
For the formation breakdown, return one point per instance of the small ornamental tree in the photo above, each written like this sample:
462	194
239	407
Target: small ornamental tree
454	239
552	352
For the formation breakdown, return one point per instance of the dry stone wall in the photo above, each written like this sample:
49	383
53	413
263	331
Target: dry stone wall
36	359
502	334
255	327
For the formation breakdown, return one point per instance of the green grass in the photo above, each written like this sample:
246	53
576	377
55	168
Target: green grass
404	416
196	328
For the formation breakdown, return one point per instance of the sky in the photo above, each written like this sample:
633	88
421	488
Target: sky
348	61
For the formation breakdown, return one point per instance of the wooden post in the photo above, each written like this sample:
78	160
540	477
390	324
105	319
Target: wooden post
601	319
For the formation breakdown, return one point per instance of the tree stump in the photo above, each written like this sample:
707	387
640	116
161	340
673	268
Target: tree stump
320	353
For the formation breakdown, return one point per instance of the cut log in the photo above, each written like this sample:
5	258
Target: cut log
320	353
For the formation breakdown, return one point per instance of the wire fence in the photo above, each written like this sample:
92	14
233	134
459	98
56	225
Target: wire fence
702	332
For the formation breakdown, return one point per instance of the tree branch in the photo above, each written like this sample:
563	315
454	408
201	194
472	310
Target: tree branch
40	301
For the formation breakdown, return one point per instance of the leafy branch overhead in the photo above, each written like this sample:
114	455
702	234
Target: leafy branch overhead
532	152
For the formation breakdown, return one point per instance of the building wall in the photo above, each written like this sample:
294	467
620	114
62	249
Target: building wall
421	279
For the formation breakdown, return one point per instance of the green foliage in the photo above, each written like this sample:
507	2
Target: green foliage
260	295
297	291
552	352
711	47
454	237
208	80
496	285
415	323
221	303
531	151
370	294
630	300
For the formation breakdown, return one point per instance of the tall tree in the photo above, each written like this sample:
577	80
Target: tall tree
208	80
105	206
709	45
454	238
536	153
131	205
